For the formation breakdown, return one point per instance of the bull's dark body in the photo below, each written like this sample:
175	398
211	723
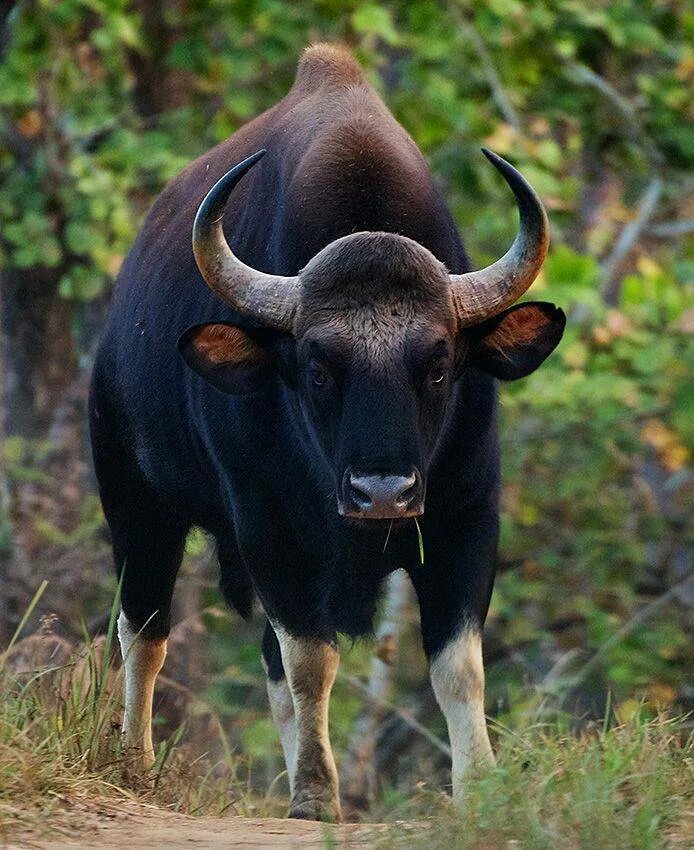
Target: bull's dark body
171	451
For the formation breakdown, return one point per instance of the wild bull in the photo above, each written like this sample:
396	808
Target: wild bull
338	376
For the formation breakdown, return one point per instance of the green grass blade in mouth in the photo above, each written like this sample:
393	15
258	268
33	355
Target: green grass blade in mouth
420	541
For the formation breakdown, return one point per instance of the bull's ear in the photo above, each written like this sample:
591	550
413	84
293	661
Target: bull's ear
226	356
514	343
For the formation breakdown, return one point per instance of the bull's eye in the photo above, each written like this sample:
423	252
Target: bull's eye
319	376
437	374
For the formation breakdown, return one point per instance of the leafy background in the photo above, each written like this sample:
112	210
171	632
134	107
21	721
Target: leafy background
103	101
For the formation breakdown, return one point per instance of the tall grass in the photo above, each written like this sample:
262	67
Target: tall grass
60	742
629	786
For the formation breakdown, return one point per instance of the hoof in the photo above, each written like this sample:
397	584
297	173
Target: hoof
315	808
136	769
135	780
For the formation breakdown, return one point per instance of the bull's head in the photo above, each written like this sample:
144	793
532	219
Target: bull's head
371	335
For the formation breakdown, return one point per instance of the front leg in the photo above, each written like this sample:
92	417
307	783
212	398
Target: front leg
457	677
311	665
454	588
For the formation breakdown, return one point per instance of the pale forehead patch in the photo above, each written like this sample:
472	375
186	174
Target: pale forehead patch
376	332
380	330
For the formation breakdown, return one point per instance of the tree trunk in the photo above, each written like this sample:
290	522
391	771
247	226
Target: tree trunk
38	349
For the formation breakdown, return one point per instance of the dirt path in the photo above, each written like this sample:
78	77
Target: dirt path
135	828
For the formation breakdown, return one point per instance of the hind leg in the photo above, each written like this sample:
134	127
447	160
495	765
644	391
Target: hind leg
281	702
148	554
148	548
148	540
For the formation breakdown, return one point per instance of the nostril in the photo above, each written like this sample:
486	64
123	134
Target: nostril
405	497
361	498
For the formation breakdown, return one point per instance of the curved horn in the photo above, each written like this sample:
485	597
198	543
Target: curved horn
270	300
479	295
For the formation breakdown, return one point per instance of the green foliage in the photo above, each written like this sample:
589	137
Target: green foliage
102	102
82	155
582	430
22	459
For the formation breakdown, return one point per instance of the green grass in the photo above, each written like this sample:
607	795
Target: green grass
631	786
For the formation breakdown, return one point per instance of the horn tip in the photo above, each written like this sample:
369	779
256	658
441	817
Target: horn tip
491	156
246	164
250	161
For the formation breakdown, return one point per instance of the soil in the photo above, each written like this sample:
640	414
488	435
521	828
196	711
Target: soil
132	827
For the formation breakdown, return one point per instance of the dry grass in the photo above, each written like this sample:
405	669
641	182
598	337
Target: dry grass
60	742
627	786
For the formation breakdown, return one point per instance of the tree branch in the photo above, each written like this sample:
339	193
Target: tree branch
628	237
359	773
404	715
624	632
506	108
671	229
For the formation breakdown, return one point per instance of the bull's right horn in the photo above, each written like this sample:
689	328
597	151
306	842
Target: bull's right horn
270	300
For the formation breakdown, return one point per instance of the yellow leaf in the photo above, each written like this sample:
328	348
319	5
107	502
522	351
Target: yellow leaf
601	335
666	444
503	139
29	124
648	267
661	695
685	69
575	354
539	127
115	261
628	709
528	515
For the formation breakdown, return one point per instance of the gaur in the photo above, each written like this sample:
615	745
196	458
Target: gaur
300	360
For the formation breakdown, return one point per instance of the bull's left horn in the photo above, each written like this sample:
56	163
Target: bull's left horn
482	294
270	300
